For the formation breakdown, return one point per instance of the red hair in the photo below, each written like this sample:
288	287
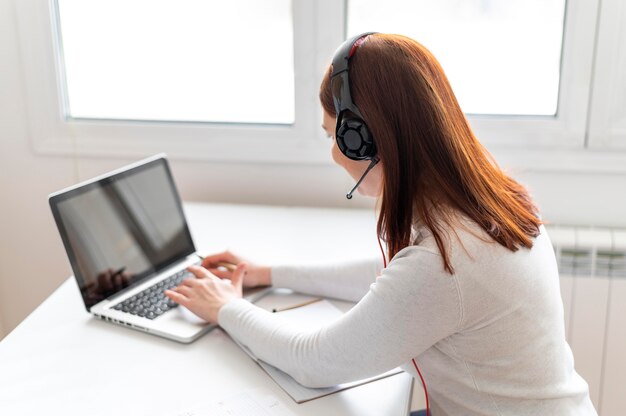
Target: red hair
433	165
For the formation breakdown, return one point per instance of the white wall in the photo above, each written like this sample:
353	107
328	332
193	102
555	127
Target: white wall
579	198
32	259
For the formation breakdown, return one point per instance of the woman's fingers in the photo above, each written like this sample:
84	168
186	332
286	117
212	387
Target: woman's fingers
187	291
188	283
206	294
222	274
177	297
225	256
199	272
238	274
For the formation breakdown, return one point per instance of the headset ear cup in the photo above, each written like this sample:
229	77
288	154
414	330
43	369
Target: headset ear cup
354	139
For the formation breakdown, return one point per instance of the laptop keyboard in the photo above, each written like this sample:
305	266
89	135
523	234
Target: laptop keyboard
152	302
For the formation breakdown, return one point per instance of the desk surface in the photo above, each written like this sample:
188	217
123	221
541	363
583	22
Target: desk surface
61	360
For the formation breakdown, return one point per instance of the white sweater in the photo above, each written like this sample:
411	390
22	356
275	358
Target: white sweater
489	340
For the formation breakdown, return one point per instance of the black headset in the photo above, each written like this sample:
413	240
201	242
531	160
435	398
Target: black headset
351	132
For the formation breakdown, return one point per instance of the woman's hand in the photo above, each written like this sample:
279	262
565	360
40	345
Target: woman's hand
255	276
205	294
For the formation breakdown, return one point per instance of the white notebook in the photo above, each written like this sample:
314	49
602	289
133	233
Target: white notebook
309	317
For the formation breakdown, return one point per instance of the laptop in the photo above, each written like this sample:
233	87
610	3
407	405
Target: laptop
127	241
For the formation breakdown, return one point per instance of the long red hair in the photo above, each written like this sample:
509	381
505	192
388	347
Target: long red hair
433	165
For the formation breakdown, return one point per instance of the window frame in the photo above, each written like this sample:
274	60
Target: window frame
528	142
567	128
607	122
54	133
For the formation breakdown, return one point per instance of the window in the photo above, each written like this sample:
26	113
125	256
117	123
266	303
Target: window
501	57
522	70
178	60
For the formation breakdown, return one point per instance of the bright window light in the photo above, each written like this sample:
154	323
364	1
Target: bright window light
501	57
178	60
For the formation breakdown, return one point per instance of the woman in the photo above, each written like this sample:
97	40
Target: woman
470	298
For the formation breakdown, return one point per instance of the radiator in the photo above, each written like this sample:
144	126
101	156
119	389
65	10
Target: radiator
592	268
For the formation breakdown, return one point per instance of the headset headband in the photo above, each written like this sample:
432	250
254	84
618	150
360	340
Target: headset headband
340	82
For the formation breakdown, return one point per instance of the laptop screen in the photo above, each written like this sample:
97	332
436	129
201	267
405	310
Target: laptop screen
122	228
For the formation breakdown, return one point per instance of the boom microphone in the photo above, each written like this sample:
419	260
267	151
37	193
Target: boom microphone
372	164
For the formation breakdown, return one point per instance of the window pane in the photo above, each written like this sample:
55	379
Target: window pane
179	60
501	57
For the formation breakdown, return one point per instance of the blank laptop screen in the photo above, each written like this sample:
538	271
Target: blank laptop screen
121	229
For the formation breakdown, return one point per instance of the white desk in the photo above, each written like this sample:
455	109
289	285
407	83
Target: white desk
60	360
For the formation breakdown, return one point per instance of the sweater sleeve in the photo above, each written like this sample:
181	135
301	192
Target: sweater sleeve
407	310
345	281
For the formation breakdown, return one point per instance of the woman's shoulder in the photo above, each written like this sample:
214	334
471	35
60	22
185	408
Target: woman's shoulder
466	241
455	229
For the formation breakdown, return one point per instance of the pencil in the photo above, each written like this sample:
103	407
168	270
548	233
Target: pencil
299	305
